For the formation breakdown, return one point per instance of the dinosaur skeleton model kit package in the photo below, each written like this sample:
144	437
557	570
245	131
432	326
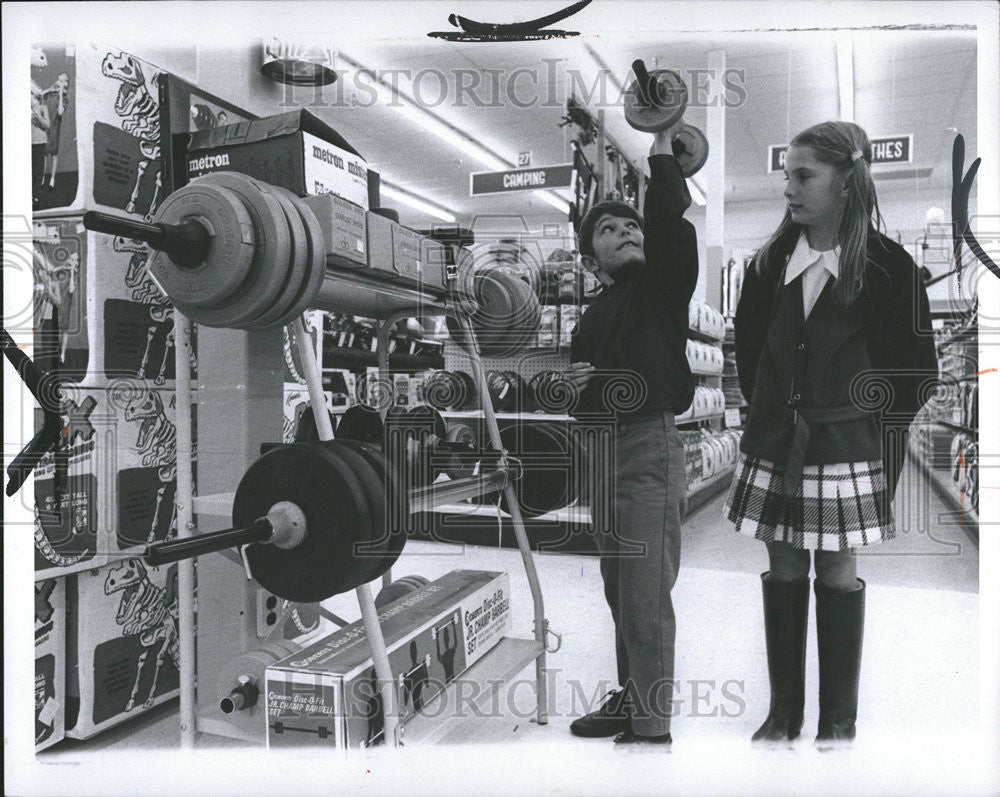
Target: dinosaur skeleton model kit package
326	695
50	662
109	485
95	126
123	646
98	316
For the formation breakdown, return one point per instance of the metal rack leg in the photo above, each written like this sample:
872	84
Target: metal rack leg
518	522
380	657
185	527
384	328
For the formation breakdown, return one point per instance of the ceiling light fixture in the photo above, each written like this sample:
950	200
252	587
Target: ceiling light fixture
298	64
399	195
434	124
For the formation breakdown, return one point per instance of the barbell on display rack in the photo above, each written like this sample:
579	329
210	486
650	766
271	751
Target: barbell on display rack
657	101
311	519
235	252
318	519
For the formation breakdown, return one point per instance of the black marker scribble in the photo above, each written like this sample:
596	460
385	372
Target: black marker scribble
530	30
961	187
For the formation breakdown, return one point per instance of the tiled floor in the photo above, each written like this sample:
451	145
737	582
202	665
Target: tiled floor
920	664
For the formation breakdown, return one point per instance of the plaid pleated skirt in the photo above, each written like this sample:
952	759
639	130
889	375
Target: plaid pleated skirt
837	507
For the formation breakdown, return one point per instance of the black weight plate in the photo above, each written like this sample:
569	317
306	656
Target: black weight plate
501	391
398	445
553	393
315	255
272	236
444	390
296	268
575	461
396	503
691	150
670	102
528	314
460	467
330	494
231	252
494	322
425	426
393	592
369	552
522	397
544	458
361	423
305	430
470	388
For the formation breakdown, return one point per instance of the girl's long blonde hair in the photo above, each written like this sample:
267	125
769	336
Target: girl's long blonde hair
836	143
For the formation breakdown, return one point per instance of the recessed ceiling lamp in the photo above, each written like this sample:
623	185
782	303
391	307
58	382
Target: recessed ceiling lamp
297	64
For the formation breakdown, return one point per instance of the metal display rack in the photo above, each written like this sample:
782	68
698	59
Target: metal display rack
358	294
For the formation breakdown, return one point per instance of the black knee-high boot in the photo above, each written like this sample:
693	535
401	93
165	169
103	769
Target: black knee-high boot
840	622
786	619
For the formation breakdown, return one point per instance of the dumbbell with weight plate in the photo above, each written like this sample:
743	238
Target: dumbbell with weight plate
656	101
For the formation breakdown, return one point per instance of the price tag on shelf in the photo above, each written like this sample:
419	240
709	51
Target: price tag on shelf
733	417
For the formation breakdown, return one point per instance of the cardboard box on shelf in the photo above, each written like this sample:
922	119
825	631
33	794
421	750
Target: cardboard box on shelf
50	662
109	487
406	251
434	256
98	316
325	694
295	150
381	254
344	228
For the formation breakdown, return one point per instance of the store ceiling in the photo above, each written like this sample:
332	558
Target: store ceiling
906	82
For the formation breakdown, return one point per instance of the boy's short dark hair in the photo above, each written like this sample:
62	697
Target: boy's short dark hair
611	207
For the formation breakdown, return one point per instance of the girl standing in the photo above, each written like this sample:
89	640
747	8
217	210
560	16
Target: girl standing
832	312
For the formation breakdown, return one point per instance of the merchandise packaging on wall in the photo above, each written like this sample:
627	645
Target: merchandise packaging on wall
98	315
109	485
50	662
123	649
104	148
325	695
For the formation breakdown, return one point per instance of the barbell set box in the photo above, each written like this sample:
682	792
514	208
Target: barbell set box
326	694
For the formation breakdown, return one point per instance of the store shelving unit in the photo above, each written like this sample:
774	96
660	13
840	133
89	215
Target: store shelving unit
936	432
354	294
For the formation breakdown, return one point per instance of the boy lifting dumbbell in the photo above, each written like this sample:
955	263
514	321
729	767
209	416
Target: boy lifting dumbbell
647	266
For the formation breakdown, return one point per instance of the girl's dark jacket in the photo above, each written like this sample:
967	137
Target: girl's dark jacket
876	357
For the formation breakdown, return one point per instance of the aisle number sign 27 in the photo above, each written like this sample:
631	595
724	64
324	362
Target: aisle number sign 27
885	149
